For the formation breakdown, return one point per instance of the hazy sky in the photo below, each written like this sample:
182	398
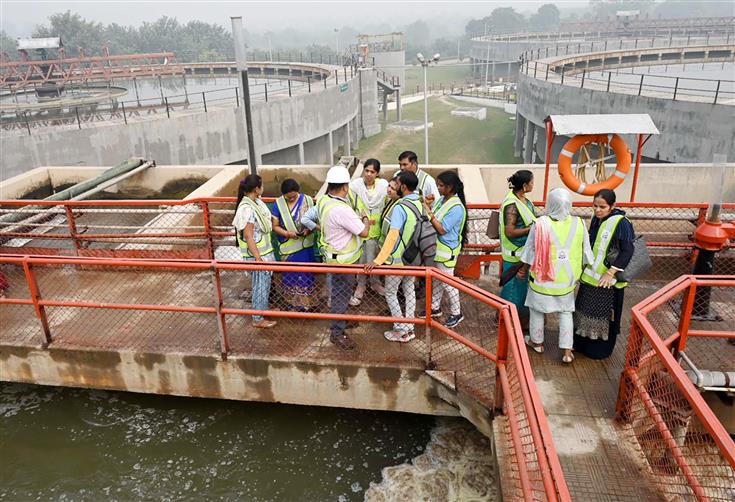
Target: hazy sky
19	17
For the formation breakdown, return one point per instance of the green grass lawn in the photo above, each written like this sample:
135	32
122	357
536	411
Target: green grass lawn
437	75
452	140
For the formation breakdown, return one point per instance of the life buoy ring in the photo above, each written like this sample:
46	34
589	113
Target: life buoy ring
622	153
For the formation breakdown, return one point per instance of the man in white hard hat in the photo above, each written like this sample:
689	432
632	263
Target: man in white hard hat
342	231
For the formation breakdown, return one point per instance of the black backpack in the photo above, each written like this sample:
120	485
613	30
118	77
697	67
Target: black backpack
422	247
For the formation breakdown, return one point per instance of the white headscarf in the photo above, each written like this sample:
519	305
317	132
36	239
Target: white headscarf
559	204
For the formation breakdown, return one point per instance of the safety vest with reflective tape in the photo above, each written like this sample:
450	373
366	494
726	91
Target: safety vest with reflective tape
385	216
593	272
409	226
423	177
510	252
567	241
444	254
353	250
291	246
264	245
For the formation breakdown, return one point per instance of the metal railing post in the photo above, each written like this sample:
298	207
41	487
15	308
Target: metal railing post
125	118
336	77
345	69
676	88
36	296
289	87
28	124
535	68
584	72
308	81
207	223
717	92
609	77
79	122
168	112
562	75
427	305
687	305
546	79
237	97
502	353
265	89
204	100
640	86
218	304
71	221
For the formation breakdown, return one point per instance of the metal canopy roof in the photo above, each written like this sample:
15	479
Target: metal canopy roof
633	123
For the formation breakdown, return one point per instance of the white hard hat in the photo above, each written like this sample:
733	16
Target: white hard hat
338	174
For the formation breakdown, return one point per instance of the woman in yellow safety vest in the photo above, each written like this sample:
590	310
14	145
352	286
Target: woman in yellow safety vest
253	227
517	214
296	244
557	249
370	192
391	199
449	218
600	297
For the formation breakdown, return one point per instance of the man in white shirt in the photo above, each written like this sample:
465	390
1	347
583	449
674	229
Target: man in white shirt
409	161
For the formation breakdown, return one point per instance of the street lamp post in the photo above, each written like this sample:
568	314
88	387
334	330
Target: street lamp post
487	57
425	65
238	37
336	39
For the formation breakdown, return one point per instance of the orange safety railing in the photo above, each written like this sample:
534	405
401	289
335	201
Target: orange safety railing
683	444
68	301
193	228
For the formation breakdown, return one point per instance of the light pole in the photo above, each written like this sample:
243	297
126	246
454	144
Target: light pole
425	65
238	37
336	39
487	57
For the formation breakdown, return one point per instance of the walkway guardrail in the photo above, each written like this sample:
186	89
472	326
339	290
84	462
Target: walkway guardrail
686	448
169	301
201	228
122	111
592	71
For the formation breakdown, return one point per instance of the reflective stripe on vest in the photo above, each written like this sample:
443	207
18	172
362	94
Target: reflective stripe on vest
264	245
444	254
291	246
593	273
409	226
390	205
422	176
567	257
352	252
510	252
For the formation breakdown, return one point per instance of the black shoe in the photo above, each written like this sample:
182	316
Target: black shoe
434	313
454	320
342	341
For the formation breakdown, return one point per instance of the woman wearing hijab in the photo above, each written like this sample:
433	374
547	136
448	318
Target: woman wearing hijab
557	249
600	298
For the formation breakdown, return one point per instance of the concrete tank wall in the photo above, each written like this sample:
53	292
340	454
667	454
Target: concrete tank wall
690	131
217	137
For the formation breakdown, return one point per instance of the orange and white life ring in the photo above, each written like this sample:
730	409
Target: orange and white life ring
622	153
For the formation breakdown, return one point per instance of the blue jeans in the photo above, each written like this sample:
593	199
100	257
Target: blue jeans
261	287
342	287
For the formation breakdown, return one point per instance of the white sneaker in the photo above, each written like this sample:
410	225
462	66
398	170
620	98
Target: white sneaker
355	301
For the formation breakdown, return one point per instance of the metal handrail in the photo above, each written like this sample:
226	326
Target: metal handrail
510	336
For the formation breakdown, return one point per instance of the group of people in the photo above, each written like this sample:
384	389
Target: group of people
369	221
551	263
546	257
